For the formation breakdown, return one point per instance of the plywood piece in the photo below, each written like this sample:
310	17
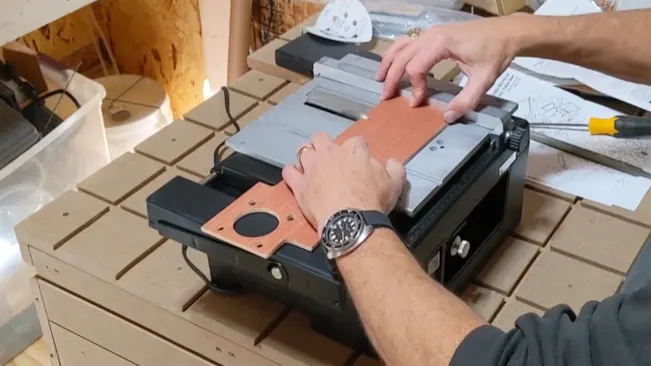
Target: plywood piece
556	279
510	312
264	60
212	112
254	114
257	84
123	176
113	333
540	216
385	138
59	220
240	318
174	141
293	343
111	245
46	329
201	160
550	191
165	279
75	350
483	301
599	238
641	215
148	314
284	92
507	265
137	202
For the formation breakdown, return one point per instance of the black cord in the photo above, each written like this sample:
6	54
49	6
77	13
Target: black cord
231	121
197	271
44	96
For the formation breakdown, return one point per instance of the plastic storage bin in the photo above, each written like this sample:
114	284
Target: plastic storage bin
71	152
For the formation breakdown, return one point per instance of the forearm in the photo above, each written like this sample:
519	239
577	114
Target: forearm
615	43
409	318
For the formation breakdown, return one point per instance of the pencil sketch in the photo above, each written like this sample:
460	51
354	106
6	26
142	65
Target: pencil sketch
549	109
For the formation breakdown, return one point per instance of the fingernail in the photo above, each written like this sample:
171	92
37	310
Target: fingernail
451	116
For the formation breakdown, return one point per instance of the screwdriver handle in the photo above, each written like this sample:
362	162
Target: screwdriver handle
621	126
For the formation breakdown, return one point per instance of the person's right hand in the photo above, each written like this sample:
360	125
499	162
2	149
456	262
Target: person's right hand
482	48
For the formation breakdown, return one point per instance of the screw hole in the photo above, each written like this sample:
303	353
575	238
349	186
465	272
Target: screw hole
173	139
65	214
231	354
251	203
261	79
290	218
259	245
218	349
220	228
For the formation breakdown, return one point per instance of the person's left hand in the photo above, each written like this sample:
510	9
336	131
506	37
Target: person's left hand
335	177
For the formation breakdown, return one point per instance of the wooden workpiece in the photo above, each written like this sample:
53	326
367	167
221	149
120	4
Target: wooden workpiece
111	291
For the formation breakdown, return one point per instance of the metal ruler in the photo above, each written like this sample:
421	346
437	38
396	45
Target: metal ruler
590	155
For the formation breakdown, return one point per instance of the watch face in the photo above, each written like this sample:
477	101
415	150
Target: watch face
343	229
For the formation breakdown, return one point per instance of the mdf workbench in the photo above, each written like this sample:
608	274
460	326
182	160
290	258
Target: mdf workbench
111	291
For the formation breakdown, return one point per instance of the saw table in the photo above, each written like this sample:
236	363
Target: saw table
112	291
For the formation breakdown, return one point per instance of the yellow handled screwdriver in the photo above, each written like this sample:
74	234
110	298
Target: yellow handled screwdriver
618	126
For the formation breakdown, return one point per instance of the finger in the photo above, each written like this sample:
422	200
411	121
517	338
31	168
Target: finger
398	176
293	178
417	69
390	55
321	141
397	69
469	97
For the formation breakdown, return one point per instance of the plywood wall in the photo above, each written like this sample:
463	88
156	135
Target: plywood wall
274	17
160	39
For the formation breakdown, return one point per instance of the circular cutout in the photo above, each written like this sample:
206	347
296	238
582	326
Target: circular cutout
256	224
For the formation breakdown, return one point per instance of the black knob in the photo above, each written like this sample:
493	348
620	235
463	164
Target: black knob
518	139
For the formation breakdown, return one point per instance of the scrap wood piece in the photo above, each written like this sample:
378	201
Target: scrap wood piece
393	130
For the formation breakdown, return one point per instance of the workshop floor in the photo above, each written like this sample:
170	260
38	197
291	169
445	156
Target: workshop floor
34	355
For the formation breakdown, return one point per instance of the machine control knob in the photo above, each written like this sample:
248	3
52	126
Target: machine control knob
276	272
460	247
518	139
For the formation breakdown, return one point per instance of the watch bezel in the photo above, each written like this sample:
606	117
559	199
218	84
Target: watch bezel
334	251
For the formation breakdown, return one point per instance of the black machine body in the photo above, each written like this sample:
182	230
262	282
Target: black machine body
452	236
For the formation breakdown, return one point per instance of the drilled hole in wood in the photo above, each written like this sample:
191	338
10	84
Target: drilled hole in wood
231	354
220	228
290	218
173	139
251	203
65	214
218	349
256	224
259	245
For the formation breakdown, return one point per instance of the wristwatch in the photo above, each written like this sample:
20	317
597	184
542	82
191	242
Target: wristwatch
348	229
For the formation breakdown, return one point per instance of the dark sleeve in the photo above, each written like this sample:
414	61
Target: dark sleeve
615	331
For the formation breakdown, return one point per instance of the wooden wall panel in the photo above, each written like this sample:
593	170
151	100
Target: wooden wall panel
160	39
285	15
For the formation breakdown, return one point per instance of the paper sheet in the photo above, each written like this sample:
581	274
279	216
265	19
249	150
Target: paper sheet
541	102
635	94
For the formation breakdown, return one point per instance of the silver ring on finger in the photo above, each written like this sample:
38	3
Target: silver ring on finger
300	152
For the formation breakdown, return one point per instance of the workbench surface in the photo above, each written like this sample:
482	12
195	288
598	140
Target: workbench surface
111	291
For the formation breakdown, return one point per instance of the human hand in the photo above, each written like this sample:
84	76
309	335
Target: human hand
335	177
482	48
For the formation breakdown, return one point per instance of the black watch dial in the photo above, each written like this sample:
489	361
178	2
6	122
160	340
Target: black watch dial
343	229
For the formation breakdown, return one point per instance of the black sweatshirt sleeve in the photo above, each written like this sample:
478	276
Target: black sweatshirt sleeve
615	331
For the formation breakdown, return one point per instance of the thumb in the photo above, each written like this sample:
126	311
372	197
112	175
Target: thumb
469	97
398	176
293	178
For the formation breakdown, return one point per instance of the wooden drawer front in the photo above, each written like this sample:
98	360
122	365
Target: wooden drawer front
74	350
111	332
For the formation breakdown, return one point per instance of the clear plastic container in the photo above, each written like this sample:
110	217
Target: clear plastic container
70	153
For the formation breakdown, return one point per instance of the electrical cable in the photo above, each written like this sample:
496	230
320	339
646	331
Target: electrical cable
231	121
202	276
51	93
